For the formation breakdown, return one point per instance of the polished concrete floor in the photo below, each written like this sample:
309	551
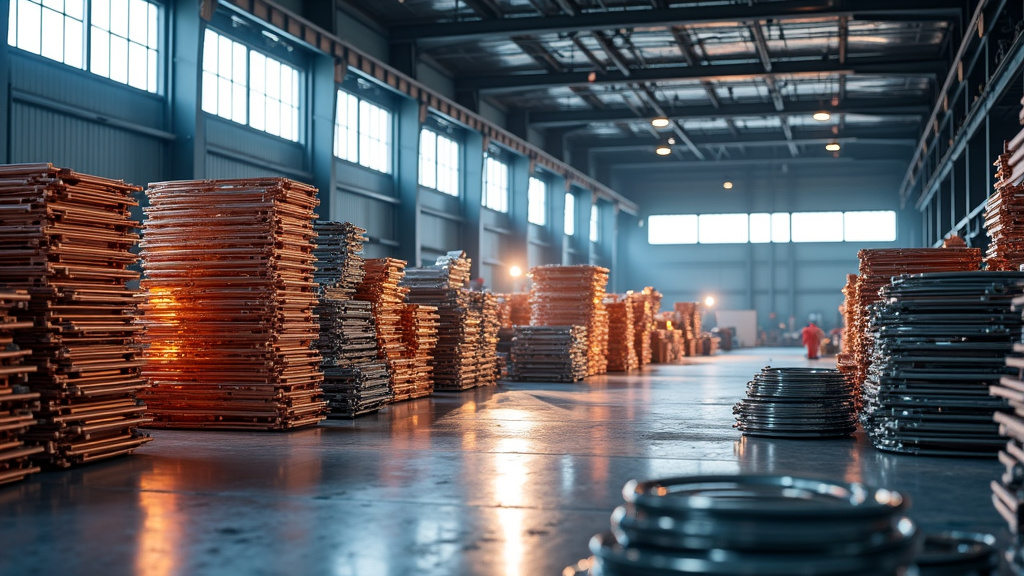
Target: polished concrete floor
511	480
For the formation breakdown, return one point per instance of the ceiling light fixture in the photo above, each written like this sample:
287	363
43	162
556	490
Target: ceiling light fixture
659	122
727	185
671	141
822	116
832	146
663	150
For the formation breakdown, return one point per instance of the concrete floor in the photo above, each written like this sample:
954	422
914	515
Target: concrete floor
509	481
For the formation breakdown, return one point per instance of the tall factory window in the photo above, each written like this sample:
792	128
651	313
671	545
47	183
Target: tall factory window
537	202
495	184
765	227
870	226
722	228
816	227
249	87
672	229
122	43
570	214
362	133
439	162
776	227
595	223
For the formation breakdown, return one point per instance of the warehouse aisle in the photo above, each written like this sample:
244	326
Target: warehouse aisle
511	480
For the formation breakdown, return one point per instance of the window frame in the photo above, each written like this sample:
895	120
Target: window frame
778	234
569	214
359	136
495	194
436	161
531	206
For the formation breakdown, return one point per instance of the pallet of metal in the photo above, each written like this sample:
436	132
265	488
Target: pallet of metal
686	318
1004	209
229	305
486	305
513	309
621	355
940	342
549	354
798	403
67	239
17	403
1008	489
381	286
645	304
339	264
568	295
419	331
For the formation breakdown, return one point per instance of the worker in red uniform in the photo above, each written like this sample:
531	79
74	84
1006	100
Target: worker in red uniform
811	336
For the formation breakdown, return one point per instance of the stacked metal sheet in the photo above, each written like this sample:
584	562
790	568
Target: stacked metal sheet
419	331
1008	490
645	305
549	354
940	341
16	401
687	319
486	305
229	320
877	268
798	403
66	238
514	309
755	525
1004	209
456	361
567	295
381	286
339	264
621	338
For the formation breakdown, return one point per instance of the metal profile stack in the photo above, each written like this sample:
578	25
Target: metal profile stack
355	381
646	304
1008	490
419	331
486	305
381	286
456	360
17	403
621	354
687	320
877	268
514	309
66	239
549	354
797	403
940	342
1004	209
568	295
229	320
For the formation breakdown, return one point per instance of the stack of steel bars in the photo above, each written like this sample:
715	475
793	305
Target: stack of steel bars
549	354
16	402
381	287
229	320
66	238
573	295
486	305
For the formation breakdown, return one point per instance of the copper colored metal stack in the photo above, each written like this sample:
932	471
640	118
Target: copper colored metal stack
877	268
687	319
621	355
549	354
16	401
229	320
381	287
355	381
667	346
1004	209
486	305
573	295
457	356
645	304
419	331
66	238
519	309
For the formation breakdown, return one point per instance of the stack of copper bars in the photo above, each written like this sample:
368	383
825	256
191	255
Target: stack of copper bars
621	354
645	305
456	361
419	332
355	381
1008	490
66	238
514	309
486	305
381	287
687	319
16	402
846	360
228	317
1004	209
877	268
549	354
567	295
667	346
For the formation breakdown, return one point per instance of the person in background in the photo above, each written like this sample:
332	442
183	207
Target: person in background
811	336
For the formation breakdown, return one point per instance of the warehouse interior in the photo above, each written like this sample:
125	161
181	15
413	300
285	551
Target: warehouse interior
418	286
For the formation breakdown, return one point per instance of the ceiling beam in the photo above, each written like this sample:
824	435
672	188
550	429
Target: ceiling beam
666	17
720	72
907	107
652	100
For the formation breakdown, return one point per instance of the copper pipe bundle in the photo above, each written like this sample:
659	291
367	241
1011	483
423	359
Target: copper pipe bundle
419	331
621	354
877	268
355	381
228	316
1004	209
381	287
573	295
549	354
16	401
66	239
646	304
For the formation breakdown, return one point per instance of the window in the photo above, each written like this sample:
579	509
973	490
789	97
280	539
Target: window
766	227
722	228
249	87
570	214
122	43
495	185
672	229
594	222
780	227
439	162
362	133
537	199
877	226
817	227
